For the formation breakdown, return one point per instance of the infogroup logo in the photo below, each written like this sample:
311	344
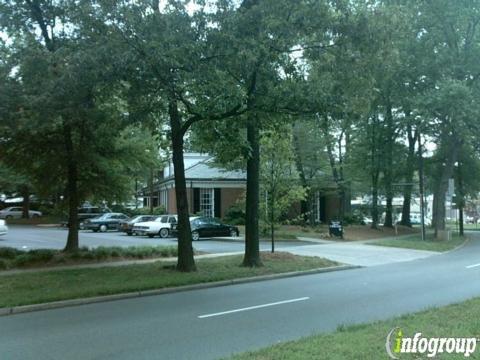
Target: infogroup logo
397	344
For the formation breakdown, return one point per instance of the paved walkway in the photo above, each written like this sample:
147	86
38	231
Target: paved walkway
360	253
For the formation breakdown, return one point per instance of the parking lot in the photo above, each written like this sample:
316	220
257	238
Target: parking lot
35	237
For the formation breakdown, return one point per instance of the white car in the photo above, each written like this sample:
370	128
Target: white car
161	226
3	227
15	212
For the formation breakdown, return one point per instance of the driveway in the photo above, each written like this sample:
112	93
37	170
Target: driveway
34	237
359	253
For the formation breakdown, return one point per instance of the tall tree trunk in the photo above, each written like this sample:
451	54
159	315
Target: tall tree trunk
388	166
375	216
72	191
407	191
136	193
273	190
375	172
421	183
441	187
26	201
186	261
460	199
303	179
151	190
272	220
337	172
460	221
252	243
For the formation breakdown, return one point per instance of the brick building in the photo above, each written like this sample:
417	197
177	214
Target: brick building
211	190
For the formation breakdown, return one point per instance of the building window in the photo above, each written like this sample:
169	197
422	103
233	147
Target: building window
207	202
164	198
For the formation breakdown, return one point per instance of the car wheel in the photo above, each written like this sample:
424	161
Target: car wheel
151	236
233	233
8	217
129	233
163	233
195	235
103	228
35	216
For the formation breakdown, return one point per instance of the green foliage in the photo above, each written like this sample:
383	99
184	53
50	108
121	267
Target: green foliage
279	181
86	109
12	258
235	214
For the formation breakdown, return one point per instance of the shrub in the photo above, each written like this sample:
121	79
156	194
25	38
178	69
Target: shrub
138	251
22	260
101	252
41	255
3	264
355	218
9	253
160	210
165	252
116	251
235	215
89	255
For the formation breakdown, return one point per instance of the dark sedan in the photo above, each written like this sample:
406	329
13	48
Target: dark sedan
210	227
127	226
108	221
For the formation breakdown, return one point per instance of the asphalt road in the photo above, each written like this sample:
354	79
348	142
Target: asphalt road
216	322
33	237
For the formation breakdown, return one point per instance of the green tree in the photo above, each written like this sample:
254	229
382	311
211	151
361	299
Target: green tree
69	118
450	40
279	180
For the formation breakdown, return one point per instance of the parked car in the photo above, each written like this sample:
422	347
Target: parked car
210	227
3	227
469	219
127	226
15	212
416	219
161	226
88	212
366	220
108	221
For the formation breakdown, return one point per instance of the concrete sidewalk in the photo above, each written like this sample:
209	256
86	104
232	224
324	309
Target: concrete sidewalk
360	253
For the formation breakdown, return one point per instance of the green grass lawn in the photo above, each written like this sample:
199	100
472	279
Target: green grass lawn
415	242
368	341
41	287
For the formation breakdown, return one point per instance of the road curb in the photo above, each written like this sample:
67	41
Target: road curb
467	239
98	299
